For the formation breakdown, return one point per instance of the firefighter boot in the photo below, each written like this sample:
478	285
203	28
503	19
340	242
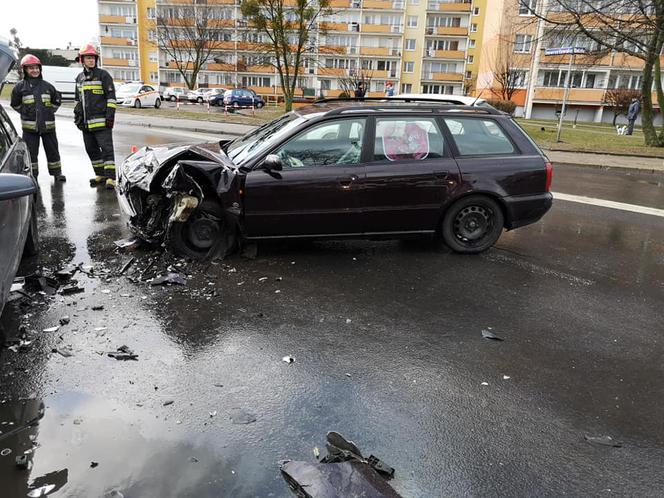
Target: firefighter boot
110	184
97	180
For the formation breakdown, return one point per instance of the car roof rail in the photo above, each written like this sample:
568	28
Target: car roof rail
383	100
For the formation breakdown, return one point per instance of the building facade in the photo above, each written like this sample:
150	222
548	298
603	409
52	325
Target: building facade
429	46
518	38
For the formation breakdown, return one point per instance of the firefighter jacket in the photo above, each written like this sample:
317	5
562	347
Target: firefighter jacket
95	99
36	101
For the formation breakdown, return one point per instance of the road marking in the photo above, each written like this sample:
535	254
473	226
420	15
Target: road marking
609	204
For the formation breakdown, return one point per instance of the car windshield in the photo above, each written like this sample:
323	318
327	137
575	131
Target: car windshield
244	148
129	88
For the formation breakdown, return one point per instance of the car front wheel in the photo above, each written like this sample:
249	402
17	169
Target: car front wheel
260	105
137	104
205	234
172	98
472	224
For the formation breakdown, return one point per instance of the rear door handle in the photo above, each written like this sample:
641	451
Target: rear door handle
346	181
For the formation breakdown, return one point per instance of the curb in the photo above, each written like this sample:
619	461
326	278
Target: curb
609	168
608	153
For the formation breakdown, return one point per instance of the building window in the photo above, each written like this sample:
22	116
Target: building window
473	28
154	76
527	7
412	21
152	35
523	43
414	2
469	75
154	57
408	67
517	78
152	13
471	59
326	84
476	11
410	44
590	81
406	88
471	43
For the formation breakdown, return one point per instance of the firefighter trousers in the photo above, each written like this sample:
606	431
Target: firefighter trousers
99	146
50	141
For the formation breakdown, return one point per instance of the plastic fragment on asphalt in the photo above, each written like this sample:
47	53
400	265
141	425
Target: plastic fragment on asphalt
71	289
240	416
170	278
64	320
52	329
106	291
22	462
193	459
123	353
125	243
506	377
487	334
94	464
603	441
288	359
348	320
262	279
168	402
98	307
316	452
485	383
213	413
41	491
277	291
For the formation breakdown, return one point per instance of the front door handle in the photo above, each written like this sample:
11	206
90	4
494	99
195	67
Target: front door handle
346	181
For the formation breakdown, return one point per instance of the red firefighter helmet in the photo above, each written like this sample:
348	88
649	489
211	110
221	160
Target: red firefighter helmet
30	60
88	49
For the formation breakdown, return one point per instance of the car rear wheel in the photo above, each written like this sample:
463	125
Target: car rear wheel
172	98
259	105
157	103
236	105
137	104
472	224
199	100
32	242
205	234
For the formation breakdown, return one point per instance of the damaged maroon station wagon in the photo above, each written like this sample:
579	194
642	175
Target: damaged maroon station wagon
343	169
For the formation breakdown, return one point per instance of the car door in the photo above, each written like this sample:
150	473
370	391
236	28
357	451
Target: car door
317	192
410	174
150	96
14	213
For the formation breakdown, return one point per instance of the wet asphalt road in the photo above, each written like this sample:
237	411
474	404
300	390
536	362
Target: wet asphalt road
388	348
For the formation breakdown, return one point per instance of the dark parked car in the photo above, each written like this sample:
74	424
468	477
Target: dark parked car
344	169
18	223
242	97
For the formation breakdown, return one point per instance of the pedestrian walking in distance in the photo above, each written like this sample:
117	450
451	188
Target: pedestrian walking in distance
389	89
37	101
632	114
94	115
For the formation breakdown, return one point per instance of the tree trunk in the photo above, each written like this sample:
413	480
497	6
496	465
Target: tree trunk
288	102
615	117
647	117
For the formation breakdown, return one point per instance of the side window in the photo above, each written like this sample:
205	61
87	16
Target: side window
408	139
148	89
8	126
335	142
479	137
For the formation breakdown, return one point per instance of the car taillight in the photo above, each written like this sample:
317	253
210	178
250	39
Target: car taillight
549	176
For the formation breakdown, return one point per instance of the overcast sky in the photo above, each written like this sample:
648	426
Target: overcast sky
50	23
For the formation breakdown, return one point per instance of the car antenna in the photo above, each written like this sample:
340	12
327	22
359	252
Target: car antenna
477	98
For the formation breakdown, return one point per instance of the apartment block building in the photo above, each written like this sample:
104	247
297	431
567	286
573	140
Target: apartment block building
516	34
430	46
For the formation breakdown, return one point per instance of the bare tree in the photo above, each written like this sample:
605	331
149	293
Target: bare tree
503	66
290	28
349	84
188	35
15	41
631	27
619	100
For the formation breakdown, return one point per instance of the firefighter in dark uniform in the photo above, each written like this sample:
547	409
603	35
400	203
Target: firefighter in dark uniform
36	101
94	115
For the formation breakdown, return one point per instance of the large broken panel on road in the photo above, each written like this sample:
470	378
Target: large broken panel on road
163	186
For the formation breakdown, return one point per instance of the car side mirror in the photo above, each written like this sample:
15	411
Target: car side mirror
273	163
15	186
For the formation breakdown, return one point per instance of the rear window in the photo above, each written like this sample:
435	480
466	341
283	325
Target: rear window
479	137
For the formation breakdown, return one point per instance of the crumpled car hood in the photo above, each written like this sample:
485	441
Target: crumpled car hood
139	169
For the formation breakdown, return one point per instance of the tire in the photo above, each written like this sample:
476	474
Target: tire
172	98
472	224
259	105
205	234
32	242
157	103
137	104
236	105
199	100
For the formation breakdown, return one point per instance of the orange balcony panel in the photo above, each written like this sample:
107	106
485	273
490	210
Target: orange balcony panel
625	61
249	46
449	54
331	49
111	61
176	21
376	28
376	4
378	74
331	71
109	40
220	23
589	60
262	90
454	7
339	4
585	95
221	2
443	77
333	26
260	69
220	67
374	51
113	19
223	45
447	31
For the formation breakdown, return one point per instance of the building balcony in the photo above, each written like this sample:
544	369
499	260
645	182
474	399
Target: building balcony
221	2
104	19
259	69
221	23
224	45
336	26
430	53
383	4
112	61
249	47
336	50
375	51
381	28
332	71
216	66
427	76
123	42
444	31
576	95
458	6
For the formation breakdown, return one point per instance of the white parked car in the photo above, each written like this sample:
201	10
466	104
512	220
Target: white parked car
137	95
174	93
